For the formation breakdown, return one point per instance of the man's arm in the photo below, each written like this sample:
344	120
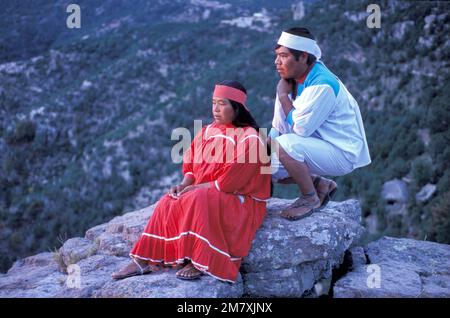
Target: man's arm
283	89
317	103
286	103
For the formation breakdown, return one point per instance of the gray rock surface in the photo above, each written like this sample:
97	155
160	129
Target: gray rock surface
407	268
76	249
165	284
36	276
426	193
287	259
357	257
395	191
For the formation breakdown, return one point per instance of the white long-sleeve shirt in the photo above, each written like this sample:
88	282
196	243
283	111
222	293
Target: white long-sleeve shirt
325	109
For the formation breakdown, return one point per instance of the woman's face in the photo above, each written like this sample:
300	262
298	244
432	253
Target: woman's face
222	110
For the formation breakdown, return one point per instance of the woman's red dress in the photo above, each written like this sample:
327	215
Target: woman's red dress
213	227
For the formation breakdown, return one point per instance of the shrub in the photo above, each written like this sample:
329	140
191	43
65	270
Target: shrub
24	132
440	214
422	171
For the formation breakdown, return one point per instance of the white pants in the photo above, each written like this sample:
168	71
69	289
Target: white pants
320	156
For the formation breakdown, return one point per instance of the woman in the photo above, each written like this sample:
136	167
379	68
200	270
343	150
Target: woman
209	220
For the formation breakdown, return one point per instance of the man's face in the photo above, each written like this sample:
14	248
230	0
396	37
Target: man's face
286	64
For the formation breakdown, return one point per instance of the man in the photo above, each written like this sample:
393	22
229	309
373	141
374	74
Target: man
317	126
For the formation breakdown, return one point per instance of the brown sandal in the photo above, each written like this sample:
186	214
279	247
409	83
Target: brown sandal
327	195
300	202
139	270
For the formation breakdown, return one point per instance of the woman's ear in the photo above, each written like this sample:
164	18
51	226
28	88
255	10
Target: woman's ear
236	113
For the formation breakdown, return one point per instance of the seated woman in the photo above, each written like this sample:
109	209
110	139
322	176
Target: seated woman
208	222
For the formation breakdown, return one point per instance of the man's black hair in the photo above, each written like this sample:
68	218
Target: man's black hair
305	33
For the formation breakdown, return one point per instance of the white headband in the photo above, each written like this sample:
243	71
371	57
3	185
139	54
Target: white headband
300	43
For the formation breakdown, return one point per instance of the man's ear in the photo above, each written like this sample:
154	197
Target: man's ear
303	57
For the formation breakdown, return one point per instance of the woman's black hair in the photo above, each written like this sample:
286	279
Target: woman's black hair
243	117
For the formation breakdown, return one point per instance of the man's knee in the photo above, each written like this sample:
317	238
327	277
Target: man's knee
277	148
288	150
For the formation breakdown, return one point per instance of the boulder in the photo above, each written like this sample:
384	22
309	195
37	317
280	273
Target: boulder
395	191
395	194
287	259
403	268
426	193
76	249
298	11
94	272
37	276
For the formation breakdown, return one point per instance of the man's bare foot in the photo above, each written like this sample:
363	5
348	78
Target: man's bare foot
189	272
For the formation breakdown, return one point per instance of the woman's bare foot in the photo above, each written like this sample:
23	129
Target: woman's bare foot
189	272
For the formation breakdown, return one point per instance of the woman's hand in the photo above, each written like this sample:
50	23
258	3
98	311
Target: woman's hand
175	190
187	189
193	187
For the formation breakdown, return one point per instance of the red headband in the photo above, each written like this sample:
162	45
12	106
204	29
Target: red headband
232	93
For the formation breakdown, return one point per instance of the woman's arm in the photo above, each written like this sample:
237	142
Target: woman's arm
187	168
192	187
175	190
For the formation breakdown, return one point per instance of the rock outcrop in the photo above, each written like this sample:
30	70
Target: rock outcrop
288	259
395	191
426	192
399	267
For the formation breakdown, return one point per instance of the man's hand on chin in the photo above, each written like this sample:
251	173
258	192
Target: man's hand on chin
284	87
